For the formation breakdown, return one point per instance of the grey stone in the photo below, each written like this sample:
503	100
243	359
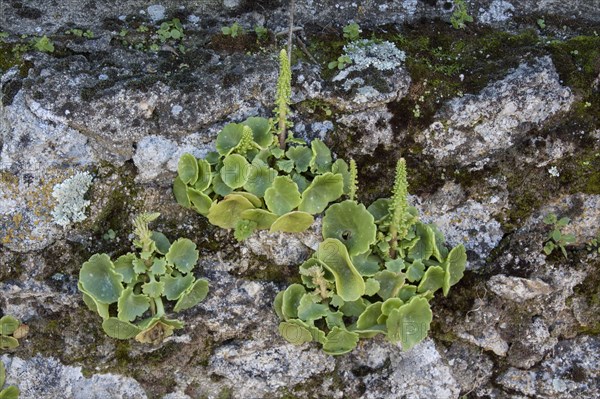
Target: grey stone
573	371
41	378
471	129
156	12
518	289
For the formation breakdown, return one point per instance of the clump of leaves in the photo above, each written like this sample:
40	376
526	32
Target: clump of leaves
261	32
10	392
556	239
234	30
135	285
342	62
170	30
261	177
88	34
43	44
374	273
460	16
352	31
11	330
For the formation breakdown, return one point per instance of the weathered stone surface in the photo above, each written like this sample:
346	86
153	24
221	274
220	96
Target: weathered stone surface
41	377
472	128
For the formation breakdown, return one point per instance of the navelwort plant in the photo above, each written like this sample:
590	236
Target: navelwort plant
138	283
11	330
261	177
10	392
374	273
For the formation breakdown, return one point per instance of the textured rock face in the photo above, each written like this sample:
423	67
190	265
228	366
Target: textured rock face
489	157
475	127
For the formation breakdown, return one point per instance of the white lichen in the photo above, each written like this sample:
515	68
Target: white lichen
554	171
69	195
365	53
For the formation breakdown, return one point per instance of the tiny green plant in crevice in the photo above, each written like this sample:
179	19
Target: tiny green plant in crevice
261	32
88	34
352	31
11	330
43	44
556	238
170	30
261	177
135	285
234	30
460	16
594	244
11	391
375	272
342	62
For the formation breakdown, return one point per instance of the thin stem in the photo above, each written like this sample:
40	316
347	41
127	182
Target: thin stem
160	309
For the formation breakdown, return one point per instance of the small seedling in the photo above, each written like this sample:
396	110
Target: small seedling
262	33
594	244
109	235
234	30
352	31
460	16
11	330
11	391
556	239
541	23
88	34
135	285
170	30
43	44
342	62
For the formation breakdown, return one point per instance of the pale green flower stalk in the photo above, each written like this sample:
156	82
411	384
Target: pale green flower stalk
284	92
399	207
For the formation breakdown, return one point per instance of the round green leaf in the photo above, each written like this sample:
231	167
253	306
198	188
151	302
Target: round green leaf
340	166
192	296
301	156
92	304
278	304
132	305
282	196
161	241
423	248
321	159
8	325
263	218
176	286
390	283
183	255
433	279
323	189
229	138
154	289
293	222
295	332
187	167
235	170
227	213
380	209
124	266
291	300
204	175
415	271
2	374
261	130
454	267
10	392
254	200
340	341
409	323
260	178
99	279
180	192
310	309
200	202
219	187
351	224
119	329
391	304
366	263
8	342
334	256
368	319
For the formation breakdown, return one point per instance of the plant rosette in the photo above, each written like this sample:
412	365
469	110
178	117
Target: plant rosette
128	293
375	273
11	331
250	183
